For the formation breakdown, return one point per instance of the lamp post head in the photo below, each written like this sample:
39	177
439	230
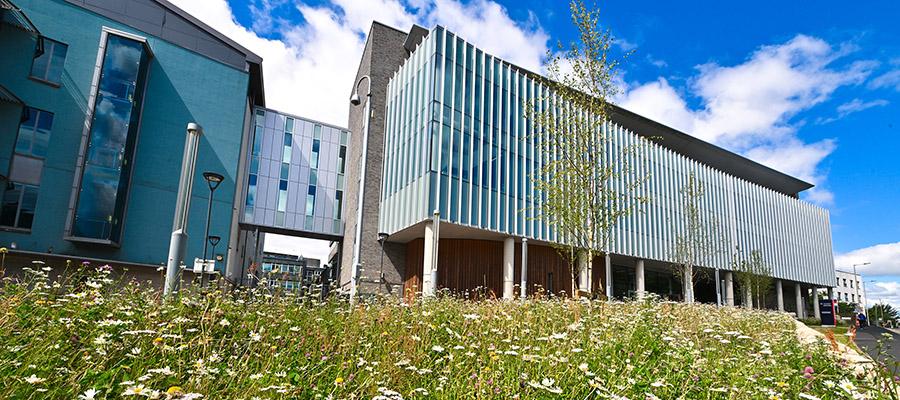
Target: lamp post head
213	179
382	236
193	127
354	99
214	240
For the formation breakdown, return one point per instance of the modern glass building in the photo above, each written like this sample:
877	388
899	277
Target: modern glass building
459	157
95	97
296	175
295	184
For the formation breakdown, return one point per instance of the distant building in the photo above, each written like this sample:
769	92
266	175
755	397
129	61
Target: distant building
850	288
291	272
95	98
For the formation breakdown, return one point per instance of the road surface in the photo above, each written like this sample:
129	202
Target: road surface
867	338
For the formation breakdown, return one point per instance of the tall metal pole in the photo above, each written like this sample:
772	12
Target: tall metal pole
355	267
858	281
206	238
185	186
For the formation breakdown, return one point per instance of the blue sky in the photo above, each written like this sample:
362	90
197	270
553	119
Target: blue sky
809	89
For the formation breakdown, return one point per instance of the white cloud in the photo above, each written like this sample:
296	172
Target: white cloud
884	268
890	79
883	291
852	106
749	107
884	259
309	248
309	71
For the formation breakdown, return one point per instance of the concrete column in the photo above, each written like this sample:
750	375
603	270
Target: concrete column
583	273
779	294
429	259
799	292
830	293
639	279
523	281
815	296
508	268
607	262
729	288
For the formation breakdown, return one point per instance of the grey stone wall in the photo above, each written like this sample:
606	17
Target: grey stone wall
385	47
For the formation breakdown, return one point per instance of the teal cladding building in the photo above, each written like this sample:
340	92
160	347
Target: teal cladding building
95	97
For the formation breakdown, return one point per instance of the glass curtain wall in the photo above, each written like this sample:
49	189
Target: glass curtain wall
114	128
467	112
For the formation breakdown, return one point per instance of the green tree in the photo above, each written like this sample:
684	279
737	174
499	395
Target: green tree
588	183
846	309
754	275
883	312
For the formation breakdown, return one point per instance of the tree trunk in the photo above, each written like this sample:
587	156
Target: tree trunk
688	284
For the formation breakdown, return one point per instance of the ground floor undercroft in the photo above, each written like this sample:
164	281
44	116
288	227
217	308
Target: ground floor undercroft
476	265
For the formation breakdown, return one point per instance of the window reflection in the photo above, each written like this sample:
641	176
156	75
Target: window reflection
105	180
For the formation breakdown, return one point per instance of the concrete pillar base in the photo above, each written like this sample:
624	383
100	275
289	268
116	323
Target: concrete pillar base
729	288
508	268
639	279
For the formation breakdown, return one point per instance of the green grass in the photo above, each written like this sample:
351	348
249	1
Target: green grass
61	340
840	334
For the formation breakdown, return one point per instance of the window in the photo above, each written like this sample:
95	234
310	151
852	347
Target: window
18	206
338	200
342	156
49	59
34	133
851	284
310	200
115	119
314	161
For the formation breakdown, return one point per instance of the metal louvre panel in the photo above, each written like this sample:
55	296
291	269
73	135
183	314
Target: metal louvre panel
793	236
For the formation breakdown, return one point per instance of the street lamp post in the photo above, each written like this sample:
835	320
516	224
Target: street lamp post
178	241
355	101
213	240
382	237
213	180
858	281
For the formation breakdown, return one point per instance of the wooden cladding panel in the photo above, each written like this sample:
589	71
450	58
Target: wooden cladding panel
412	281
547	270
465	265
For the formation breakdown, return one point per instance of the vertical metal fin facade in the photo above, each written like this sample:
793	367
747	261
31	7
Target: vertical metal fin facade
457	141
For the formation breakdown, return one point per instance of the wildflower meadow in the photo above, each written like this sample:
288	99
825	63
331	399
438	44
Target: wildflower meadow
91	336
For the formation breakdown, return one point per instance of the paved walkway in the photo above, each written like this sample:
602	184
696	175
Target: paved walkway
866	339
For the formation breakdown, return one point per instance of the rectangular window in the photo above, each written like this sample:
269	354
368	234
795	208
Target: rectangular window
310	200
317	131
342	156
34	133
251	198
338	201
289	125
314	161
49	60
286	152
18	206
100	206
